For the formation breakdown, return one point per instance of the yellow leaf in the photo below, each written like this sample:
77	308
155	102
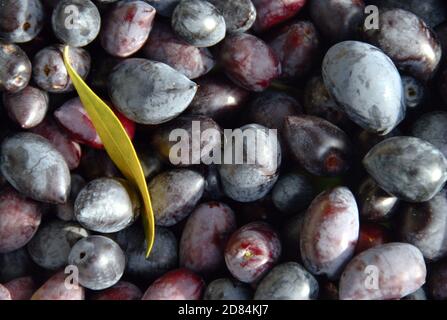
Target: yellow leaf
117	144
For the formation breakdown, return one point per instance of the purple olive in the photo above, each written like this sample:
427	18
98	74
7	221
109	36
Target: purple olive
253	176
408	41
34	167
204	237
15	68
319	146
21	21
409	168
389	271
49	71
330	232
19	220
217	97
100	262
126	27
198	22
27	107
106	205
164	46
287	281
337	19
56	288
149	92
297	47
174	194
252	251
78	30
239	15
424	225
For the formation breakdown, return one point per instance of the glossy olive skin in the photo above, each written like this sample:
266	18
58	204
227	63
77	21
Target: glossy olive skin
292	193
272	13
15	68
164	46
19	220
106	205
287	281
424	225
366	84
174	194
149	92
49	71
432	127
100	261
248	181
239	15
227	289
178	284
217	97
194	126
297	47
409	168
21	21
245	69
400	269
349	13
79	35
198	22
55	288
127	27
252	251
163	257
27	107
51	245
330	232
319	146
432	11
271	108
374	203
408	41
205	236
34	167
